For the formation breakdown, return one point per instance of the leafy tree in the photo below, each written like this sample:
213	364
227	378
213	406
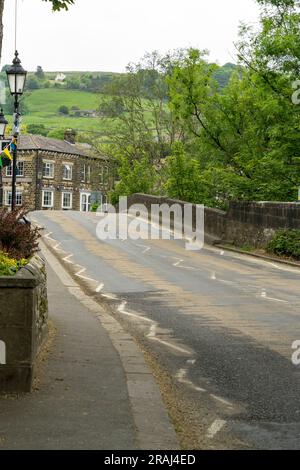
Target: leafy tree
182	175
60	4
37	129
57	134
136	176
40	74
248	133
64	110
32	84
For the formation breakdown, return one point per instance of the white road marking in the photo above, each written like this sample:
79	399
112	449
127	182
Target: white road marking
152	333
146	248
222	400
57	247
121	309
172	346
100	287
48	236
110	296
264	296
181	377
67	259
216	427
178	262
80	274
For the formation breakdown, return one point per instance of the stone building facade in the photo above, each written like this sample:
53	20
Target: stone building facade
57	175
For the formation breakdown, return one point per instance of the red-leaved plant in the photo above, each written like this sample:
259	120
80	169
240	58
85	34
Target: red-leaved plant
18	239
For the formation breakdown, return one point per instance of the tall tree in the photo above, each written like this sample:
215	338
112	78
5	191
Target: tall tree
56	6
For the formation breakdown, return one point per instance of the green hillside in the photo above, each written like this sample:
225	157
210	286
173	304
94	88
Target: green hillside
42	108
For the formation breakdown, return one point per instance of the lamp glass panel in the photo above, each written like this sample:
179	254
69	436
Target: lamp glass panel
20	83
2	129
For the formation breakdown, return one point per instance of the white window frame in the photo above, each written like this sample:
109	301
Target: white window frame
68	168
87	204
49	206
48	166
8	197
86	173
71	200
8	172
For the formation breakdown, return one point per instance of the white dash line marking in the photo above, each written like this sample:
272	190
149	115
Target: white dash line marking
178	262
222	400
264	296
216	427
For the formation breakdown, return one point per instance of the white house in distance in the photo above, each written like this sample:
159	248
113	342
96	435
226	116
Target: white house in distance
60	77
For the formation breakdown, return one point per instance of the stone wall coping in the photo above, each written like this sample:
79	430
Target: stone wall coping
27	278
165	199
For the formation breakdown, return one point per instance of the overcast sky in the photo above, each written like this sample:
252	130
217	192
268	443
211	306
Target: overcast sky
106	35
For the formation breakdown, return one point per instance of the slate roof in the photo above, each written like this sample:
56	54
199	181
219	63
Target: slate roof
38	142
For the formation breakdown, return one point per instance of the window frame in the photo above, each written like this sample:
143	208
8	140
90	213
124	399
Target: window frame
51	165
8	197
51	205
69	171
70	207
86	173
8	170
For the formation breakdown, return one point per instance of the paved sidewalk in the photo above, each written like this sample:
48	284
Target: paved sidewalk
82	401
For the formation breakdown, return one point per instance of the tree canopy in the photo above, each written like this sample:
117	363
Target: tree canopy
238	141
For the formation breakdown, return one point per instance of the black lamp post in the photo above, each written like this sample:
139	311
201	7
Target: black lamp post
16	76
3	124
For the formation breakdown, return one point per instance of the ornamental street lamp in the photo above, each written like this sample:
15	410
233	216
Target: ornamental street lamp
3	124
16	76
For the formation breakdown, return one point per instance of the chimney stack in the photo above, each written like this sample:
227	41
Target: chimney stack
70	136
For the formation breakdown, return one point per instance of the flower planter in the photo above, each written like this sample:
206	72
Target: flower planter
23	325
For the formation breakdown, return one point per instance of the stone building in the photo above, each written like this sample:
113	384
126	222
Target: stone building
57	175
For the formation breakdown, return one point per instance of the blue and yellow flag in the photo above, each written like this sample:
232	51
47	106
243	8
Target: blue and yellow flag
7	154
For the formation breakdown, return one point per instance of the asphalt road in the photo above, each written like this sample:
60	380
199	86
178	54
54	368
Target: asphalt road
222	325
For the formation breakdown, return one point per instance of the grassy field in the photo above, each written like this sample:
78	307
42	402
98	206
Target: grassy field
43	105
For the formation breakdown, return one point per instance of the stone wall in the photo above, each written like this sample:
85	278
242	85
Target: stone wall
255	223
23	325
245	223
215	220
